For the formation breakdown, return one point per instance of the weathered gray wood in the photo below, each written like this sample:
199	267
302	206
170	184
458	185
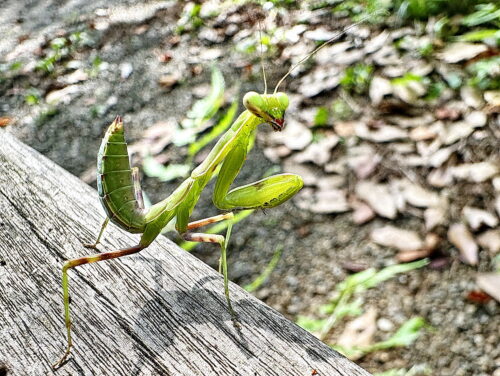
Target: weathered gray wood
161	312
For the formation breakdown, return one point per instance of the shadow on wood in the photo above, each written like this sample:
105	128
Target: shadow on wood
161	312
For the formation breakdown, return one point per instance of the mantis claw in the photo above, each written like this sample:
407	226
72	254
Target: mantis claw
63	359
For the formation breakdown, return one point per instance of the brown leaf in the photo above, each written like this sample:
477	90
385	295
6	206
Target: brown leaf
431	242
4	121
168	80
460	237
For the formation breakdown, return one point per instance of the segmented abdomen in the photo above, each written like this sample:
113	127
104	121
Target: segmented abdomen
114	181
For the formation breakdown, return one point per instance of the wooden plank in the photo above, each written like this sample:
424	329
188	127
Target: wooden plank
161	312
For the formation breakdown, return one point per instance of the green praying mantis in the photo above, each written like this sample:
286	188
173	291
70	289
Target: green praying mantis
121	195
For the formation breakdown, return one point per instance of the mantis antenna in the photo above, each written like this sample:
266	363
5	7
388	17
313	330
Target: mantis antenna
262	59
336	36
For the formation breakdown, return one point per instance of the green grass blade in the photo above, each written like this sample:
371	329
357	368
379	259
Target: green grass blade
221	127
257	282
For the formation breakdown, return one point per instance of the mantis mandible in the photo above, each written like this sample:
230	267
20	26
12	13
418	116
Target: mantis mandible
121	195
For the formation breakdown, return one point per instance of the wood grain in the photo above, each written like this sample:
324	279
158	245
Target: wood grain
161	312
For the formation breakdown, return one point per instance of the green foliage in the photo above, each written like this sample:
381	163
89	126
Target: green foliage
207	107
46	114
10	67
435	90
32	97
257	282
190	19
405	336
61	48
375	11
347	301
321	117
357	79
218	129
253	43
417	370
422	9
484	14
153	168
480	36
485	73
284	3
406	79
341	110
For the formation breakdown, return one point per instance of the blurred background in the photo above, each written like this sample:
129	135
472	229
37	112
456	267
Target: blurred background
390	252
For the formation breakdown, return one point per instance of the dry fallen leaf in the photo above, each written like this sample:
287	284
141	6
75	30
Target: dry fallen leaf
471	96
296	136
4	121
441	177
378	196
330	201
476	217
318	152
435	216
63	95
363	160
455	52
308	173
360	331
490	240
475	172
403	240
384	133
430	243
379	87
362	213
460	237
168	80
416	195
456	131
489	283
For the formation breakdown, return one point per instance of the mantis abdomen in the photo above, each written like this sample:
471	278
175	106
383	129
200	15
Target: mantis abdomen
118	184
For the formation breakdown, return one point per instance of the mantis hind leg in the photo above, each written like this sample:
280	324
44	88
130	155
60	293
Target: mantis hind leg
65	285
94	246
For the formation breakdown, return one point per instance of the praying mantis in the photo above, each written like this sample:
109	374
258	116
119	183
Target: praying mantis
121	195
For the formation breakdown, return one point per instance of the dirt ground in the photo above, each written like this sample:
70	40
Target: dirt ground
463	335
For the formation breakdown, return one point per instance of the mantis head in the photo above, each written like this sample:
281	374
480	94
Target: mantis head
269	107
